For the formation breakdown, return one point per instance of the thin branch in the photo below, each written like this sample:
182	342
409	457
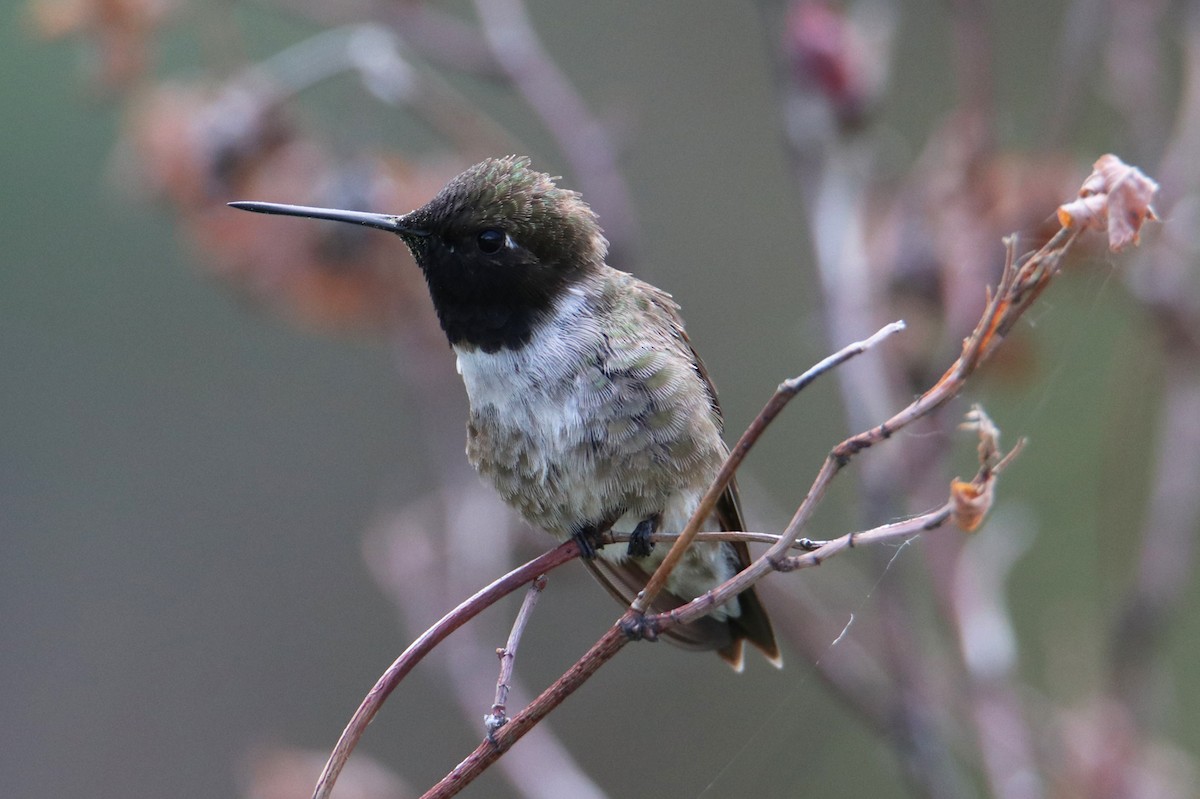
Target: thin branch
489	751
616	637
416	556
783	395
920	523
508	656
417	650
775	560
1021	283
512	581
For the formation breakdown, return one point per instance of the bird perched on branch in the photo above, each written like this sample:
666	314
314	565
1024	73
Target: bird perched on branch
590	411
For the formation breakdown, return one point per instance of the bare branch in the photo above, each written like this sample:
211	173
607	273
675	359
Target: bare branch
1022	281
1019	286
615	638
783	395
489	751
913	525
930	520
417	650
508	655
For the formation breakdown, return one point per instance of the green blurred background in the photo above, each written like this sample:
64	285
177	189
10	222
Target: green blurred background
185	480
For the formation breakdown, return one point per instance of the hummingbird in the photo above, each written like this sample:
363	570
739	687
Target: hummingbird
590	412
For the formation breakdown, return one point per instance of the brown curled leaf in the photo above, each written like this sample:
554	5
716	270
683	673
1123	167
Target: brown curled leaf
972	501
1116	197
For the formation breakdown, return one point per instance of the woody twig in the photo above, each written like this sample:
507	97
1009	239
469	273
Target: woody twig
1115	197
508	656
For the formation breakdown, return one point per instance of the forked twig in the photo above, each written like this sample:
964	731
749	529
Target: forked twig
508	655
1023	280
615	637
603	649
783	395
419	648
1021	283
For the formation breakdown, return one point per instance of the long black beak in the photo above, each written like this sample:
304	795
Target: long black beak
392	224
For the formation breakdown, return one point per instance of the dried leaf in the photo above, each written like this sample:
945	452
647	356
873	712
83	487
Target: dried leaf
1116	197
989	435
971	503
1086	212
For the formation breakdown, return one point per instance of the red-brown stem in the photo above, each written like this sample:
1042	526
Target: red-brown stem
615	638
1019	286
489	751
508	656
782	396
417	650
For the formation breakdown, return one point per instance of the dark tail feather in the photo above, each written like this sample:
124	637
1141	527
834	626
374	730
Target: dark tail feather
753	626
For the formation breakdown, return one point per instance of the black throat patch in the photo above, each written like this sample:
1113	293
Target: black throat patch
486	306
498	246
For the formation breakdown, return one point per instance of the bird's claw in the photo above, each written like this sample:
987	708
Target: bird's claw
588	540
640	545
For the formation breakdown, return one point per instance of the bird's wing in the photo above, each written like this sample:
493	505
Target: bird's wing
624	580
753	624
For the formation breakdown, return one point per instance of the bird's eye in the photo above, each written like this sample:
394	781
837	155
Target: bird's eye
491	241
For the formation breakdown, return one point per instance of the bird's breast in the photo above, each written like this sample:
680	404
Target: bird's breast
583	423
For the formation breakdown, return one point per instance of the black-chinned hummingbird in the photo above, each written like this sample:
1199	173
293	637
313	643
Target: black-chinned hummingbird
589	409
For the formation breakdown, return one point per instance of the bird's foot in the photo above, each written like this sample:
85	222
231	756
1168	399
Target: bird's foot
588	538
640	544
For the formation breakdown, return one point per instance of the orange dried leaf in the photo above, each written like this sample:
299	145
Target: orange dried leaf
971	503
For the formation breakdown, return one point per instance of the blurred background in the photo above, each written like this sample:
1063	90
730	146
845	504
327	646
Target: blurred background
232	481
